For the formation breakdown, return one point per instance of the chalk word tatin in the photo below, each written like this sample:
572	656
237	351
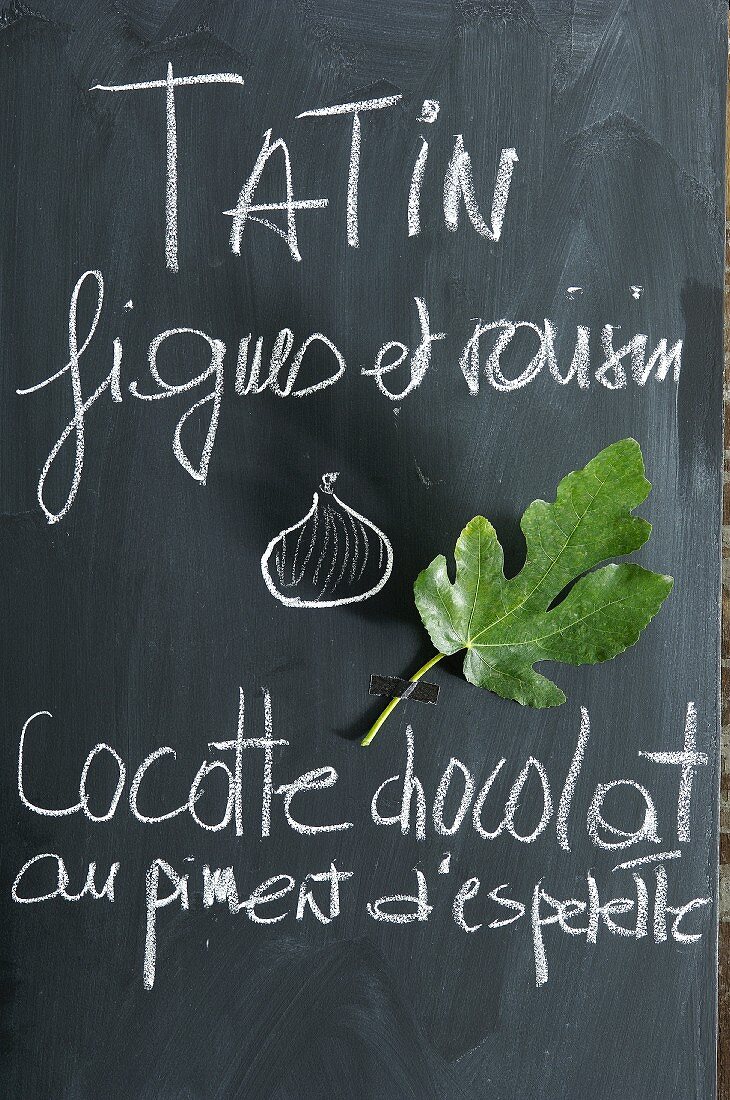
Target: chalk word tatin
458	184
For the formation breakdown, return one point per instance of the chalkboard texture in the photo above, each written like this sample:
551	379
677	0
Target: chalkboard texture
447	252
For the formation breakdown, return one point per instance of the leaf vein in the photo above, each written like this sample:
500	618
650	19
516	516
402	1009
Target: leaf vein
541	580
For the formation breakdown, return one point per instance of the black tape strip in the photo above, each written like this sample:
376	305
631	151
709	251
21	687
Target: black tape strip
395	688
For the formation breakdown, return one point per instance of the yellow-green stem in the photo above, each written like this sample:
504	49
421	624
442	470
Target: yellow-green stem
394	702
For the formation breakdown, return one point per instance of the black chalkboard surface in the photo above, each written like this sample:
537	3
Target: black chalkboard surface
448	250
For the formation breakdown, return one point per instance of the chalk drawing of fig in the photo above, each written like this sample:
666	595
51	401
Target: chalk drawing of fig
332	556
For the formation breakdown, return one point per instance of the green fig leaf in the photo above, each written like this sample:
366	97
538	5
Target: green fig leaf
507	626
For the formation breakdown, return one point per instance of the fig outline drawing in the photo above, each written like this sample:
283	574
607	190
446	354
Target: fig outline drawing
346	561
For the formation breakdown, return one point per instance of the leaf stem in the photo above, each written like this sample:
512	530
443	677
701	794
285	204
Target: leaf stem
394	702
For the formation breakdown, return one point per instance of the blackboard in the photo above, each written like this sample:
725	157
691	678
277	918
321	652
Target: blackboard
553	164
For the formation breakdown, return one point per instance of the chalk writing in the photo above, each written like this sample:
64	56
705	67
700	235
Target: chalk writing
285	379
654	907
